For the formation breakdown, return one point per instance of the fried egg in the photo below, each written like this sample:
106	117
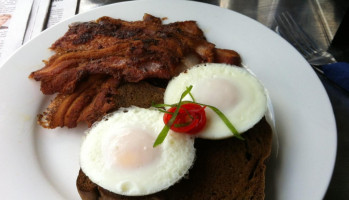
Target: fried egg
117	153
231	89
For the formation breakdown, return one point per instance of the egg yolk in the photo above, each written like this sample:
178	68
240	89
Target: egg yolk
130	149
220	93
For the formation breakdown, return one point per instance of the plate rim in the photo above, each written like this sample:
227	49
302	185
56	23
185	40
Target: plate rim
300	60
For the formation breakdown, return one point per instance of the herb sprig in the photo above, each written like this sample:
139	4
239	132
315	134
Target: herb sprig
161	107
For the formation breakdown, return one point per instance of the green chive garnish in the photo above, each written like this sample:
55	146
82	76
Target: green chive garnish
162	135
225	120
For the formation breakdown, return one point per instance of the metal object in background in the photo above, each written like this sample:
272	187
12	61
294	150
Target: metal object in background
321	60
294	34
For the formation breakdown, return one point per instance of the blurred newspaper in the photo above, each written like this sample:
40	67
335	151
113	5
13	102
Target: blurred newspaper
13	21
22	20
61	10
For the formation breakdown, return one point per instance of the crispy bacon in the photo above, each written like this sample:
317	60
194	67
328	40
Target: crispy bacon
94	98
106	32
91	100
94	60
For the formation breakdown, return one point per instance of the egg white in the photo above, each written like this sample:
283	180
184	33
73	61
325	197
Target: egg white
233	90
173	159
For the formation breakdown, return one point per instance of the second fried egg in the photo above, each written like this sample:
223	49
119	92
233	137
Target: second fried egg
231	89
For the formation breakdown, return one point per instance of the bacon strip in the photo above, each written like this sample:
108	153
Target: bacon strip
68	109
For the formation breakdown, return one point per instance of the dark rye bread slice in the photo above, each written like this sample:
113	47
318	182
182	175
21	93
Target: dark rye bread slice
141	94
223	169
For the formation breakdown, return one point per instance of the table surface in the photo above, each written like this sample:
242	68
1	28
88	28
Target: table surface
322	19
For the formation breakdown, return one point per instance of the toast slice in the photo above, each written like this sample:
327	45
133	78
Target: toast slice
223	169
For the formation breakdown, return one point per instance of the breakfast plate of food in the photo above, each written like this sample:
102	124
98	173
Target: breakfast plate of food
84	107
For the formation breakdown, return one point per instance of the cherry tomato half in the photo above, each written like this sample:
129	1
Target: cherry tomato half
191	118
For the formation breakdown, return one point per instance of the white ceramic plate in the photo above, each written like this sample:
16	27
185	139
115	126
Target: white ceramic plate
43	164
